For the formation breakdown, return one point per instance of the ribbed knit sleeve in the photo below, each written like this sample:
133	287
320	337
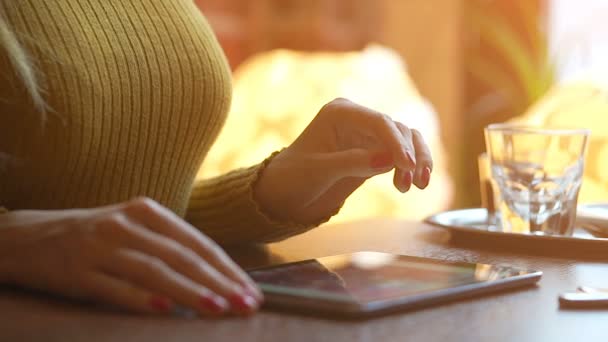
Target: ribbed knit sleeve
224	208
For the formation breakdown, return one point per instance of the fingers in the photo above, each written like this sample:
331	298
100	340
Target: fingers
157	277
421	175
424	165
361	164
403	179
165	222
356	162
408	151
383	127
120	293
152	260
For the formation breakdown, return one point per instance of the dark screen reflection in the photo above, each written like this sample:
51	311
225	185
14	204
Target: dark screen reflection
368	276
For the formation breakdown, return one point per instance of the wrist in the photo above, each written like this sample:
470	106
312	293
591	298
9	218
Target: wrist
266	188
262	188
284	190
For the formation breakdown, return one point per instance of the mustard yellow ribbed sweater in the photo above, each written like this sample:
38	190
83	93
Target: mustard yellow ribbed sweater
138	91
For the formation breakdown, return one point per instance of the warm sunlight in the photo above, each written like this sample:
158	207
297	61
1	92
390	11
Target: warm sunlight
581	104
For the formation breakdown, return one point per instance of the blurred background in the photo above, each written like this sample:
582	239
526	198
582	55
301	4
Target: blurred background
445	67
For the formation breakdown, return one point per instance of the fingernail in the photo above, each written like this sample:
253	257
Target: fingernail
426	176
161	304
243	303
410	158
254	292
381	161
214	304
407	181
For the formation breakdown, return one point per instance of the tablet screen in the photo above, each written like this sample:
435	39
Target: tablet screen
372	276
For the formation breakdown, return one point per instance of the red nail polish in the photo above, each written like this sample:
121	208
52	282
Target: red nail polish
410	158
243	303
161	304
407	180
381	161
214	304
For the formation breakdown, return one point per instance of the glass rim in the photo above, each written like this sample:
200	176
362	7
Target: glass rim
523	129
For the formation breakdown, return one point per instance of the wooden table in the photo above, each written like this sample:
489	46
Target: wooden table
530	314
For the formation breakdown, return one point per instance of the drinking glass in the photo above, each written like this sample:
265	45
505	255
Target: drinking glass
538	173
488	192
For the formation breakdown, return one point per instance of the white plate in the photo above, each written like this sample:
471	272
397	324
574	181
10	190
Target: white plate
474	221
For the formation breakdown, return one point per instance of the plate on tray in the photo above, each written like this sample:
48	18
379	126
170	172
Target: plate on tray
473	223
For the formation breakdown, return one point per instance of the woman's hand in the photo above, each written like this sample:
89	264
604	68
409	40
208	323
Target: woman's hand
136	255
343	146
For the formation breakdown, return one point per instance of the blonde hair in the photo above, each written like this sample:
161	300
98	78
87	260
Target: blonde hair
22	63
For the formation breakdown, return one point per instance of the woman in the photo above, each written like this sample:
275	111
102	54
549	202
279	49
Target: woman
108	108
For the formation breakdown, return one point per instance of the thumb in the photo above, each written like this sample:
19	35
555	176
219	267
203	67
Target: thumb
356	162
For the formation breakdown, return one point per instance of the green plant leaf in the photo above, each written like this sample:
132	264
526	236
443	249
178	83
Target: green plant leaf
533	73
